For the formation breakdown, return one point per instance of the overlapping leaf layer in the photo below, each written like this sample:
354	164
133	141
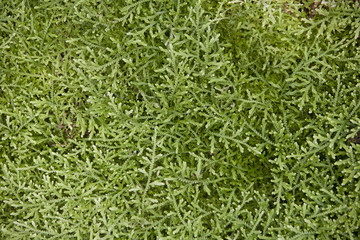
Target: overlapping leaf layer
166	119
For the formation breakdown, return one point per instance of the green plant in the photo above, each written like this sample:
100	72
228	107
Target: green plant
179	119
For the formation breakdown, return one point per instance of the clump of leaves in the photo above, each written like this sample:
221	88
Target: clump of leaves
179	119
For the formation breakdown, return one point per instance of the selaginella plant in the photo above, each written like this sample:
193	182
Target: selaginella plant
179	119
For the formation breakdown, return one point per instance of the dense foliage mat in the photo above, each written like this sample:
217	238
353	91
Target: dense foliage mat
172	119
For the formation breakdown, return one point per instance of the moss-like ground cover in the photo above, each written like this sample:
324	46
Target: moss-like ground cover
179	119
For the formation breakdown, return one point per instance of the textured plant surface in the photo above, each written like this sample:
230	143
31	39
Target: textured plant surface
173	119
